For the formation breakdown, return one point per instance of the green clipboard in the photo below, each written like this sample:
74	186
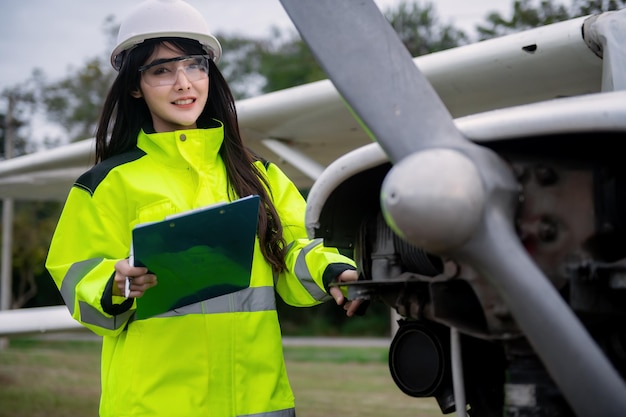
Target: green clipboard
196	255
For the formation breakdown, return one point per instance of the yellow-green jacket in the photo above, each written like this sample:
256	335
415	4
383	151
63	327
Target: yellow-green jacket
220	358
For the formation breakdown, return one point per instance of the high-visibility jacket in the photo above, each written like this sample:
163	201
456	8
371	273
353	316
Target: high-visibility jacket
221	357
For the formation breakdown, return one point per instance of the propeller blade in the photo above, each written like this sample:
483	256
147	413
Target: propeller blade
374	73
448	195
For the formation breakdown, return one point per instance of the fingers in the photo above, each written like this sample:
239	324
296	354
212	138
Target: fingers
124	269
348	275
336	293
139	280
140	284
351	307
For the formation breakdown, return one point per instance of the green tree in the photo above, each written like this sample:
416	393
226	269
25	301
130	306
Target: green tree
288	62
256	66
75	102
20	107
527	14
239	64
34	224
587	7
420	29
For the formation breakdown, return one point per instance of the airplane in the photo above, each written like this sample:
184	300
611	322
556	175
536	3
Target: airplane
478	188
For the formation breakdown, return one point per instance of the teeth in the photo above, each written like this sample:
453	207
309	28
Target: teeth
188	101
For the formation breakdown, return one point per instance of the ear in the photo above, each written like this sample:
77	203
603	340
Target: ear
136	93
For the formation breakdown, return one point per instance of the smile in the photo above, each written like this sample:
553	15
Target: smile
185	101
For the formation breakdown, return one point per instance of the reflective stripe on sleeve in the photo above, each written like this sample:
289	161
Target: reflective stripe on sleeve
301	271
91	315
73	276
88	314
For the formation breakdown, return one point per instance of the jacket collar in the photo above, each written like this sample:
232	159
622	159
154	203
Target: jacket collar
182	148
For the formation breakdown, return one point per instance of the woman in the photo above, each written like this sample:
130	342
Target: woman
168	141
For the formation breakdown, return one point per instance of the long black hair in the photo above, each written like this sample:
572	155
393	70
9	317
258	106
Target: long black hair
123	116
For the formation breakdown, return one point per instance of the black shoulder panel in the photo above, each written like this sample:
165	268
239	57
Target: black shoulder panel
90	180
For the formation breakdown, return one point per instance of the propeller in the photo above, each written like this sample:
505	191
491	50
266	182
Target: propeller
448	195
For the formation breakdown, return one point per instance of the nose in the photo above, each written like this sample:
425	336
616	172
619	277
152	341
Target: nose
182	82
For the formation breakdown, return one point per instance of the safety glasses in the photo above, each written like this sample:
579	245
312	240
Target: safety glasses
165	71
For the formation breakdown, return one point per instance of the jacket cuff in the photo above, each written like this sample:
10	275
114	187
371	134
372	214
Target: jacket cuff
332	271
107	300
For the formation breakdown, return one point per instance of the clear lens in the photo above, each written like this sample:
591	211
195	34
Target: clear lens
165	71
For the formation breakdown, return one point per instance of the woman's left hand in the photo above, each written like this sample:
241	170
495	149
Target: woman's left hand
350	306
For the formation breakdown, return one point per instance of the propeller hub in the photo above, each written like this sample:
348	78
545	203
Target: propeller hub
433	199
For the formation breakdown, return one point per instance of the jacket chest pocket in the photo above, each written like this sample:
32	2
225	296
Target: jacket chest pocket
155	211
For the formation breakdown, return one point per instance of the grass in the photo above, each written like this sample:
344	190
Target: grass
54	378
49	378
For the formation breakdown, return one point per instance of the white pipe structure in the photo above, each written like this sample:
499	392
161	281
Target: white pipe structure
298	159
37	320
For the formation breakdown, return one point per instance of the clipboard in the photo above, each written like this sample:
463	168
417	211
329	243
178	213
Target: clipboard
196	255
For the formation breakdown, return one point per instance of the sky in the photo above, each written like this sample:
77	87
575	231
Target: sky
57	35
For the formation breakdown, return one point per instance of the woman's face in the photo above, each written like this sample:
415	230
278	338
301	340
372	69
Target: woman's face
175	92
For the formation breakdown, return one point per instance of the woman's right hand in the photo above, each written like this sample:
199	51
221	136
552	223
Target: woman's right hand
140	279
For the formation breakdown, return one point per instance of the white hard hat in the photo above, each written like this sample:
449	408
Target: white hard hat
163	18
